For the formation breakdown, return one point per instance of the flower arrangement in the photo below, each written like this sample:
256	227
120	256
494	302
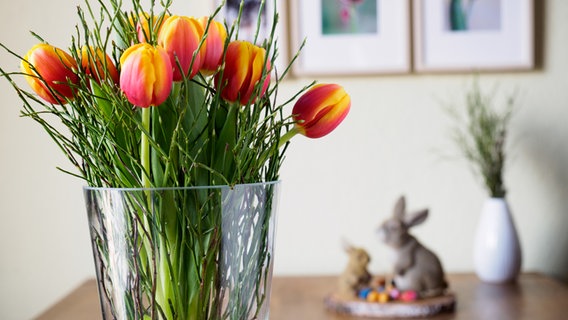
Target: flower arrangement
150	100
480	136
165	100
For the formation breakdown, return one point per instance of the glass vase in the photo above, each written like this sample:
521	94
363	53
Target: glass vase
183	253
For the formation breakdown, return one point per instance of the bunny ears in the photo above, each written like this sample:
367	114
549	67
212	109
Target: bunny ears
412	219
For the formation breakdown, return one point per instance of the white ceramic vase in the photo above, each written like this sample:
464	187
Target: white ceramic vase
497	251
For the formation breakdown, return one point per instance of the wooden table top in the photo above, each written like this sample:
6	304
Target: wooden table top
533	296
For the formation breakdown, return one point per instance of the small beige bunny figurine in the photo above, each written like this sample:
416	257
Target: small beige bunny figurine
416	268
355	276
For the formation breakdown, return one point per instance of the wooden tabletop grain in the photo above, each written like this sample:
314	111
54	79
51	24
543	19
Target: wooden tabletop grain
533	296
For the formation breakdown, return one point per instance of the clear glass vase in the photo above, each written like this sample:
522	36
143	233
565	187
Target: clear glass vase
183	253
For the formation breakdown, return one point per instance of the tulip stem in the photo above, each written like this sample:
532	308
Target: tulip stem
145	148
283	140
287	136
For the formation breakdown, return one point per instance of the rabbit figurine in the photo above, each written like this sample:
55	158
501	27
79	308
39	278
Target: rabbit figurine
355	276
416	268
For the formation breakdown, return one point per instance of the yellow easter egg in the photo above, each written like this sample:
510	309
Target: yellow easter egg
373	296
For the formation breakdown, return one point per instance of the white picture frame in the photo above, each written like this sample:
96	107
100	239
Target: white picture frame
496	35
382	48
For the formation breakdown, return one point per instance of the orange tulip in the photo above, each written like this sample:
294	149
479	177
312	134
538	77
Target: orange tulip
213	45
98	64
180	36
146	75
50	72
321	109
244	65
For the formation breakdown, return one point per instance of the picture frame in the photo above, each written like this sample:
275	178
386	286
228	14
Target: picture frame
488	35
345	38
249	21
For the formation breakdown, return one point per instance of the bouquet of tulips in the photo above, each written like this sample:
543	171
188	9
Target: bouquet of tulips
150	99
153	99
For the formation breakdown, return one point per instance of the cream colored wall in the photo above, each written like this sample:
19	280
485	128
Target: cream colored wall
338	187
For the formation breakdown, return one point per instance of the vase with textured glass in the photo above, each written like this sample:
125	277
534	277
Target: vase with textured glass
175	126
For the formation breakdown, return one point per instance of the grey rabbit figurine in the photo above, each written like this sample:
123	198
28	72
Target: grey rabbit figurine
416	268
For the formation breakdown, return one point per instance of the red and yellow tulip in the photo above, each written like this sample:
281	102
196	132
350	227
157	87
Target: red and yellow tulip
244	66
180	36
50	72
213	46
321	109
146	75
98	64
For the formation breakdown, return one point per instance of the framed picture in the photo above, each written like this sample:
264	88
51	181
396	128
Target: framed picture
345	37
249	22
473	35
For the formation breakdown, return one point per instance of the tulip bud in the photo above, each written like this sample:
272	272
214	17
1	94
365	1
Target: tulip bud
98	64
50	72
143	31
244	66
213	46
320	110
180	36
146	75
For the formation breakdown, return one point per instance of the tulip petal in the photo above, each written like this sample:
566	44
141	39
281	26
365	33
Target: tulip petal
214	45
180	37
236	70
162	85
328	119
255	74
244	63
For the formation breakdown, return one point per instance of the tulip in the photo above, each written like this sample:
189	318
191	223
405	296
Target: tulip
98	64
181	36
143	26
213	46
50	72
244	65
146	75
320	110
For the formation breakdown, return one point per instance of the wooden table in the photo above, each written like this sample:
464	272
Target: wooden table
533	296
